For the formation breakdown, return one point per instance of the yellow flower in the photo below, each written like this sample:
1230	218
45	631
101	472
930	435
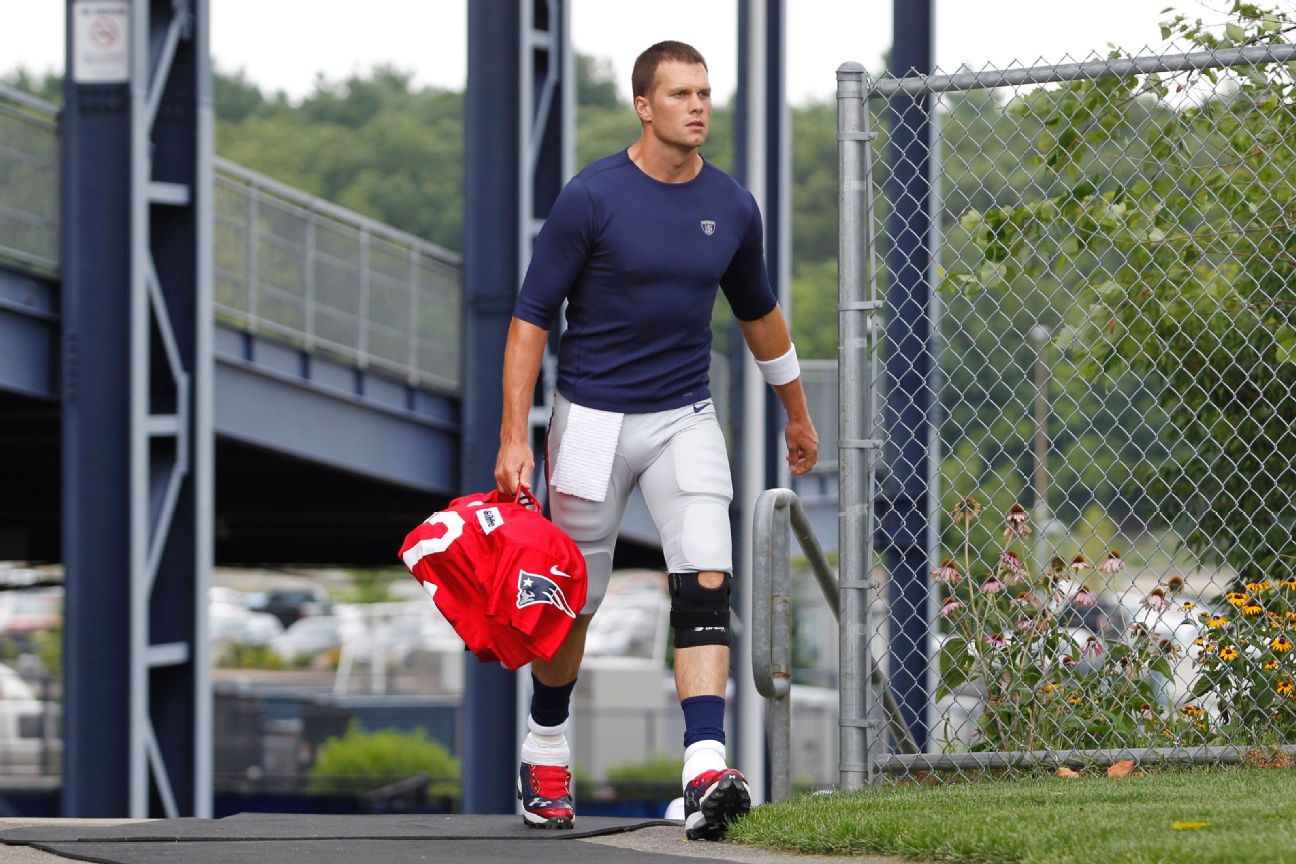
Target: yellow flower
1218	621
1188	606
1199	641
1193	711
1285	687
1271	665
1288	584
1237	598
1251	610
1074	698
1208	648
1228	653
1049	688
1290	615
1257	587
1281	645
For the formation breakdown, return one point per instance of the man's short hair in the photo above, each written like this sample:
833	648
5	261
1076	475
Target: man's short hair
645	67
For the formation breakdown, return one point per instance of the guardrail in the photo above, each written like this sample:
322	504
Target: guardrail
289	265
29	181
329	280
779	513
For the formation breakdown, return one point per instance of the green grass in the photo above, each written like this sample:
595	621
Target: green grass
1251	814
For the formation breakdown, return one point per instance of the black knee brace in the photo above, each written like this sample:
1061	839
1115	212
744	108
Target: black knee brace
700	616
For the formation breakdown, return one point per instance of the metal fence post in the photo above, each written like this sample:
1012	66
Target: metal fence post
412	356
362	310
308	314
250	260
855	443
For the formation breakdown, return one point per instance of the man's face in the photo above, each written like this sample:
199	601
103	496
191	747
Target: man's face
679	105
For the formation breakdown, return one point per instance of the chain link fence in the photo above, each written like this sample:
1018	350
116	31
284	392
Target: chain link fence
1100	400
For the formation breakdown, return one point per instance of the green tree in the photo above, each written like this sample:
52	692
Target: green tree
1185	260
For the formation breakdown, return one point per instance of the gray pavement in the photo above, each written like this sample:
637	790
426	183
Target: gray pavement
655	843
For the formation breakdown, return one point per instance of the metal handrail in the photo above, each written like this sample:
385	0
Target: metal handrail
778	513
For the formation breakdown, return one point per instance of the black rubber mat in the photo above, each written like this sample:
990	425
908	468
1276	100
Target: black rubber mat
254	838
285	827
479	851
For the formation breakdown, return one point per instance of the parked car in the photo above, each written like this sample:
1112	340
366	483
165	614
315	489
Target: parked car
26	610
30	741
234	622
308	636
292	604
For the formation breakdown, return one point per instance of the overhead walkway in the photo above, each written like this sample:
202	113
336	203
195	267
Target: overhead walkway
338	381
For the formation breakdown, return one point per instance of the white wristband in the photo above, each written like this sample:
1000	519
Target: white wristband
781	370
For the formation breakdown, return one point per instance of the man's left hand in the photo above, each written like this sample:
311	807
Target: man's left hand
803	446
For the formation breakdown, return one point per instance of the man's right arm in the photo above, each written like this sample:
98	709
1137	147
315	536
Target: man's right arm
523	354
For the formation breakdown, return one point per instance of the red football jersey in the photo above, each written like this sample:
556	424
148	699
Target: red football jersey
507	579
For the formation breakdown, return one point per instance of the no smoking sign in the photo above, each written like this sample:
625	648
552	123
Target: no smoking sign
100	42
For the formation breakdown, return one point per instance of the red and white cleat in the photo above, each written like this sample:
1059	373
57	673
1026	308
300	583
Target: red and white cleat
712	800
546	796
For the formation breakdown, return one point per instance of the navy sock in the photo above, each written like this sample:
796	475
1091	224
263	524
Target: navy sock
550	705
703	719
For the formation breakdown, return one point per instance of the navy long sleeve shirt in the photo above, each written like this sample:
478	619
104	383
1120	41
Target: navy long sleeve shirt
638	262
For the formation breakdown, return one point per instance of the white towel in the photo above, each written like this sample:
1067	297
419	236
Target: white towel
583	465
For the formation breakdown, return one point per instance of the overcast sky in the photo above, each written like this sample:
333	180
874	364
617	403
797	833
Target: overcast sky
284	44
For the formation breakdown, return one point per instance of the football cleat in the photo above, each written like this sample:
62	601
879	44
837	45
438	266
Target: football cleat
712	800
545	791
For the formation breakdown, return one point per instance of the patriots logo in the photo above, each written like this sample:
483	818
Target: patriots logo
708	227
534	588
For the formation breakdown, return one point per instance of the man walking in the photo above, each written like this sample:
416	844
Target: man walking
637	245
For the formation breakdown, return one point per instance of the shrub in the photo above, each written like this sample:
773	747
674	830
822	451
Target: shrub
362	760
654	776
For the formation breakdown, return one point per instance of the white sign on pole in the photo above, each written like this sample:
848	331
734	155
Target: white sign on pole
101	42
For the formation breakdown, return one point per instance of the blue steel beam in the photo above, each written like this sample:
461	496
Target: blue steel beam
491	262
95	150
910	384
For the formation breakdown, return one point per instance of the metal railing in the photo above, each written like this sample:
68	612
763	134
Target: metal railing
326	279
778	514
289	266
29	181
1113	338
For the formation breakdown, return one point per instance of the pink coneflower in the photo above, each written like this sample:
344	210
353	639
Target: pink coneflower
1156	601
1078	563
1024	623
1082	597
1093	647
992	586
1016	523
1068	661
950	606
1113	564
966	510
996	641
947	573
1026	600
1013	564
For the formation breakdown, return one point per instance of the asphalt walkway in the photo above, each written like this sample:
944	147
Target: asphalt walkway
254	838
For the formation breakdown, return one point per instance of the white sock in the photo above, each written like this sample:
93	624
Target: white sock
546	745
703	756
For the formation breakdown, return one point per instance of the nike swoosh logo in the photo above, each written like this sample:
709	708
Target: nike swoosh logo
698	409
556	572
